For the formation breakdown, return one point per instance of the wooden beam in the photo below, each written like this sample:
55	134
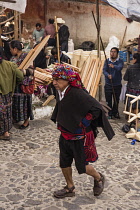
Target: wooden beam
16	25
98	41
95	87
9	1
50	98
57	39
11	18
0	37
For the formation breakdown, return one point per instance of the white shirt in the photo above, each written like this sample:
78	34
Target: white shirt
61	94
113	61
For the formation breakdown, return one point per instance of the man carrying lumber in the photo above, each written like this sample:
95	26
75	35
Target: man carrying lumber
77	115
113	75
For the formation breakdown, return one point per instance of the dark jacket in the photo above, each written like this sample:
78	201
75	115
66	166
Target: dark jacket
63	34
73	108
63	58
40	60
132	75
115	72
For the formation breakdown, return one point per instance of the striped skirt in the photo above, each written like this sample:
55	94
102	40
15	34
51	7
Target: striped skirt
5	113
22	107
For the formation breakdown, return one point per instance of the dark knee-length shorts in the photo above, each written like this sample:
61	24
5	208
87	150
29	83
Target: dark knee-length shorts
72	149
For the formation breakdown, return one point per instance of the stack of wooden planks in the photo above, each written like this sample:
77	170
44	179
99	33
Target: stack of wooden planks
33	54
90	72
42	77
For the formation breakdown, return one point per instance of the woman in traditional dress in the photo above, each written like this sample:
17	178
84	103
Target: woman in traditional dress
22	102
132	76
10	75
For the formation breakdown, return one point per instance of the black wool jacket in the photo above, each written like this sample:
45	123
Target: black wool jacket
73	108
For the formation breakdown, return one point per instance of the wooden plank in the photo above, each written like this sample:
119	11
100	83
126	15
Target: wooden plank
128	113
42	76
86	68
89	70
94	91
57	39
41	70
0	37
50	98
11	18
95	77
93	74
82	69
26	59
9	1
86	82
16	25
73	67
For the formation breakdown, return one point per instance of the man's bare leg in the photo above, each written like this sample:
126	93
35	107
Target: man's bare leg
92	172
98	180
67	172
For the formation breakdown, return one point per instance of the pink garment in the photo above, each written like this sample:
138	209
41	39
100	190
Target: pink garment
50	30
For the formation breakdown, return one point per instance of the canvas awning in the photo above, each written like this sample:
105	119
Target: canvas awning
19	6
129	8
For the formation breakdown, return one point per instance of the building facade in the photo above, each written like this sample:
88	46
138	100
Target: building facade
79	19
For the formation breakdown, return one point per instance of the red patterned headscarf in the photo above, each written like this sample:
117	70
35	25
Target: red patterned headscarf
65	72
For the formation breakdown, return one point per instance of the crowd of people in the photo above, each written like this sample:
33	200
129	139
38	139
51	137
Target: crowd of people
78	115
50	29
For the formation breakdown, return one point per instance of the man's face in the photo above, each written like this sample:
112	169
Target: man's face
38	28
60	84
113	54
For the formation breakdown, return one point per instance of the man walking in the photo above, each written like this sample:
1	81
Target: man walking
77	115
113	76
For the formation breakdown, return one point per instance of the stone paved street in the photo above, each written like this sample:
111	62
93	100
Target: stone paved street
30	172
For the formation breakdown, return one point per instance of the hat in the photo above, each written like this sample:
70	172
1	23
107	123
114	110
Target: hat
60	20
65	72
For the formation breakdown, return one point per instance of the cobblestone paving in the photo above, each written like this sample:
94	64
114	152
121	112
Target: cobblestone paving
30	172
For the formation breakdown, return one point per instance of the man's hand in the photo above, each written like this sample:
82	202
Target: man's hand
110	76
111	65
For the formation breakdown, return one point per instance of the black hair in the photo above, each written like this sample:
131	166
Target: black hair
54	51
115	48
38	24
51	21
1	54
16	44
137	57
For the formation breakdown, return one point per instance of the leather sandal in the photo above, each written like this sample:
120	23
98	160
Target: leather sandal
5	138
99	185
65	192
